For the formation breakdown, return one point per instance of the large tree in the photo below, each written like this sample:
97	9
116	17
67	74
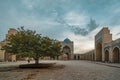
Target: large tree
27	43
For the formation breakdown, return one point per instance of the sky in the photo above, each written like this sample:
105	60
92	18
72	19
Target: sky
60	19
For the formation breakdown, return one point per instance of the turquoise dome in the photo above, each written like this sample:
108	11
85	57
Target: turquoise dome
67	40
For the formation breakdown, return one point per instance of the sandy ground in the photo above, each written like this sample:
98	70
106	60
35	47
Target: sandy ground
64	70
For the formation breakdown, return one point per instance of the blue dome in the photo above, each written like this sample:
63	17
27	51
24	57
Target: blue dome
67	40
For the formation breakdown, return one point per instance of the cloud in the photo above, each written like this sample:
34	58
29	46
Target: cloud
78	23
81	43
118	33
87	28
78	30
74	18
115	30
60	19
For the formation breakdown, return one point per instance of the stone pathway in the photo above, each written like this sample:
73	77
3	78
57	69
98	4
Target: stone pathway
117	65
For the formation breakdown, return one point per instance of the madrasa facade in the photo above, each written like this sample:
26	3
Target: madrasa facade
4	56
106	49
67	49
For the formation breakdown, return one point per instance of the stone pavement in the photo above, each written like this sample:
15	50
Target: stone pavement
65	70
117	65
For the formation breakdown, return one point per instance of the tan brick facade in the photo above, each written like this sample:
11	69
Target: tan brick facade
3	55
106	50
67	50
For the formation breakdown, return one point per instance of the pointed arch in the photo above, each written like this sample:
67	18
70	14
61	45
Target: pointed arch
106	56
116	55
99	52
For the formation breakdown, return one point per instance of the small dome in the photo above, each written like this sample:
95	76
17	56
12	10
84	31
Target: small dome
67	40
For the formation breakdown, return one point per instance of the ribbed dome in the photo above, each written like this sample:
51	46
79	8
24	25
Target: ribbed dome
67	40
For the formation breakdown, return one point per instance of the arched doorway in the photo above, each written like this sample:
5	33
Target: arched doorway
74	57
106	56
93	56
99	52
78	57
66	51
116	55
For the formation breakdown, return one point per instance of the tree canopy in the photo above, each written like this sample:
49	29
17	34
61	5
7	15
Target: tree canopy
27	43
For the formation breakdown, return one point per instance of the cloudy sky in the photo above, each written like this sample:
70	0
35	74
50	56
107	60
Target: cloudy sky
60	19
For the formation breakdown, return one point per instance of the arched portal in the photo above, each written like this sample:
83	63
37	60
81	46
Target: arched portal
78	57
106	56
66	51
99	52
75	57
93	56
116	55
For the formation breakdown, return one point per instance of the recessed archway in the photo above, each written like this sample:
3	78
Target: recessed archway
78	57
66	51
99	52
93	56
106	56
75	57
116	55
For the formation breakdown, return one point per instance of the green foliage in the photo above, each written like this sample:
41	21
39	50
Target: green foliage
51	47
27	43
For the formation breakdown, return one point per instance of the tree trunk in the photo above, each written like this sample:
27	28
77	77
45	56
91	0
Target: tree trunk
36	61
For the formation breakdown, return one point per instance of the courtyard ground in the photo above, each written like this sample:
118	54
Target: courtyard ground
63	70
